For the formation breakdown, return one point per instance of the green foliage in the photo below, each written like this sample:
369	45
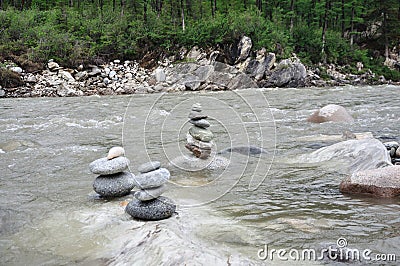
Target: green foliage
89	30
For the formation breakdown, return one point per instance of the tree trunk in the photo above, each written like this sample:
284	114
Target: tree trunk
22	4
201	9
145	11
213	7
385	35
259	4
291	15
324	29
182	16
343	21
122	7
352	25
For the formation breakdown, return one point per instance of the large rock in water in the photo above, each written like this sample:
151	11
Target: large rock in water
331	112
383	182
288	73
156	209
359	154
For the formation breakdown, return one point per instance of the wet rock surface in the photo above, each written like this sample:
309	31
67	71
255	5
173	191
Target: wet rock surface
382	182
156	209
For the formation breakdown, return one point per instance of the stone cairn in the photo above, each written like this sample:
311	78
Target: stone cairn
113	180
148	204
199	138
394	151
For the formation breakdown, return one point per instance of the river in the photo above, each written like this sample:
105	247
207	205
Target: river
49	214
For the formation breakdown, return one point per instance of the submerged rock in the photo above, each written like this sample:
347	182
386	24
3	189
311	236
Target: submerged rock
331	112
383	182
157	209
116	185
246	150
104	166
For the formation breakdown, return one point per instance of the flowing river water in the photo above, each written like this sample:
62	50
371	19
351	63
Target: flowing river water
49	214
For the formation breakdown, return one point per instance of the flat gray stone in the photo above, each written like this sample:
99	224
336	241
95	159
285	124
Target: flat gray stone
151	193
103	166
149	166
152	179
116	185
156	209
200	123
194	115
201	134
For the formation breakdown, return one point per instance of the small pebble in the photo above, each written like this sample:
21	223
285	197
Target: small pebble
115	152
196	107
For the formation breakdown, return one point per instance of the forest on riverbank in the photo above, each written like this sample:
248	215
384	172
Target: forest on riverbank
74	32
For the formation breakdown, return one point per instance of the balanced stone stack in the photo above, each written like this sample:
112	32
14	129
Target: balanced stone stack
148	204
113	180
199	139
394	151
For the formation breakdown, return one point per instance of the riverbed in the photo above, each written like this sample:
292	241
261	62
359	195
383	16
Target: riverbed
49	214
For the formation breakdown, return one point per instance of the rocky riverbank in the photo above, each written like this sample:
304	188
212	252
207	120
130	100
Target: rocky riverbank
193	70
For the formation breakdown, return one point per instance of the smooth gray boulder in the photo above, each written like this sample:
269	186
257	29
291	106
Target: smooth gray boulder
156	209
331	113
116	185
382	182
103	166
358	154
